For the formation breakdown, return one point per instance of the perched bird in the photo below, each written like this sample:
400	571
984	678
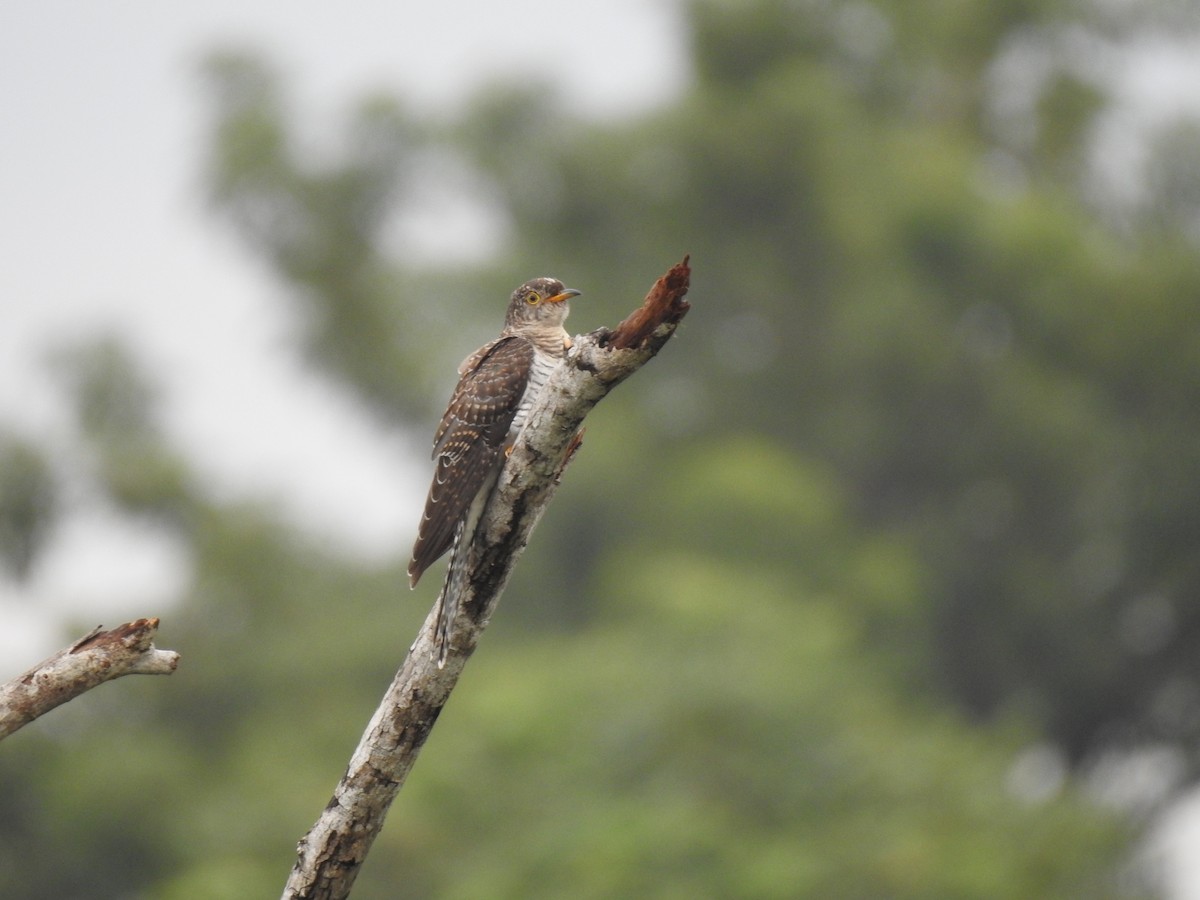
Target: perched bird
497	386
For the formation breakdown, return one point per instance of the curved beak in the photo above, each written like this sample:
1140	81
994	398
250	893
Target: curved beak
567	294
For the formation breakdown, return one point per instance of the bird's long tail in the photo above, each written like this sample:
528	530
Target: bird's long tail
452	590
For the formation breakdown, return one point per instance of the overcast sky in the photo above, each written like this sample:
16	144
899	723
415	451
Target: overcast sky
103	227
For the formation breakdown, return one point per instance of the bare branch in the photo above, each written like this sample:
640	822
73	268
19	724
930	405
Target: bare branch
95	658
330	855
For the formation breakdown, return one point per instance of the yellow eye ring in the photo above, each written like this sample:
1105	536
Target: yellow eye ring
532	297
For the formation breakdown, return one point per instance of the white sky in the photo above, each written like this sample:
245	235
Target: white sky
102	225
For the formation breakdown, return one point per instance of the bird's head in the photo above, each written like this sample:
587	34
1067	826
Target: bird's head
541	302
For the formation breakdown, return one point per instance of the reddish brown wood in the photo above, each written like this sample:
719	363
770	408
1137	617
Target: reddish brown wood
663	304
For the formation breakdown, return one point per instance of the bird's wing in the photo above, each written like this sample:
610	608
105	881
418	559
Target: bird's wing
469	441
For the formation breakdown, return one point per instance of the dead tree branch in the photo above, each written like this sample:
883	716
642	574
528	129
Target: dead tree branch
330	855
95	658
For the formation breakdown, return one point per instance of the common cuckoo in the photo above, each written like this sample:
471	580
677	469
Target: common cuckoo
497	386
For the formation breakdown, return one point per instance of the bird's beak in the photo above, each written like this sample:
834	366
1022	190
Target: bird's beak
565	295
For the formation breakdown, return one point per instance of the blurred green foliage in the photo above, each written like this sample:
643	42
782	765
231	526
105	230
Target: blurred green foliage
912	489
28	503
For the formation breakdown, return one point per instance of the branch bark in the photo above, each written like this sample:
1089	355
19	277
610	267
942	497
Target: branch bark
97	657
330	854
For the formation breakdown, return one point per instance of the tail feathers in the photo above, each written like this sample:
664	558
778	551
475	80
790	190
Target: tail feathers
452	589
457	571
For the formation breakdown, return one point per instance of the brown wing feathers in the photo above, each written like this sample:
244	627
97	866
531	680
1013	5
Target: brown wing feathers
469	442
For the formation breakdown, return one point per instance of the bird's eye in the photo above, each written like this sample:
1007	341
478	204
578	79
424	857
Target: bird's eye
532	298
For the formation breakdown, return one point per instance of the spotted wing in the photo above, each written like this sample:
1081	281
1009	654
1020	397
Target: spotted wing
469	442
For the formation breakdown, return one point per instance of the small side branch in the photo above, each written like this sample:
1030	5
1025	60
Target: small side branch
330	855
95	658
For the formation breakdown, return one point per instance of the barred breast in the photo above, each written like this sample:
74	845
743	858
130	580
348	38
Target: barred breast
543	364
